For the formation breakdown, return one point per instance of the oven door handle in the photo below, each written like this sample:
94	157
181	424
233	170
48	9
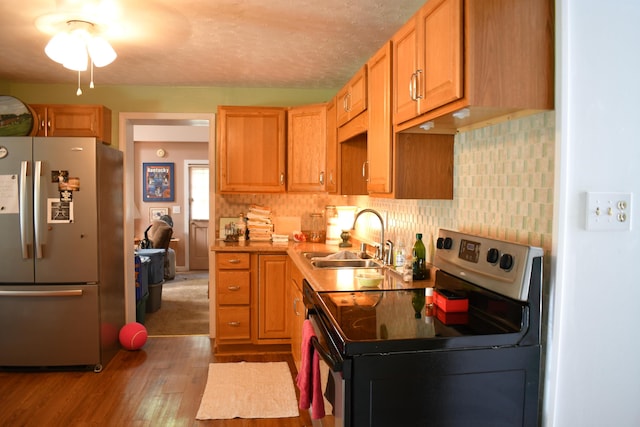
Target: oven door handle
335	365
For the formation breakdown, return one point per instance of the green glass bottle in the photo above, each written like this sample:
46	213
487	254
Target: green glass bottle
419	259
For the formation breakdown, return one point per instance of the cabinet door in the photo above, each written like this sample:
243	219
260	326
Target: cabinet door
405	66
331	177
307	136
358	100
73	121
352	98
297	311
380	135
440	54
41	119
272	296
251	149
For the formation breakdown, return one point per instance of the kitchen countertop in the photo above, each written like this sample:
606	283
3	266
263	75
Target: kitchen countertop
322	279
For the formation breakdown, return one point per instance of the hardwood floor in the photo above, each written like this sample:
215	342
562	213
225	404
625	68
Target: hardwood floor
160	385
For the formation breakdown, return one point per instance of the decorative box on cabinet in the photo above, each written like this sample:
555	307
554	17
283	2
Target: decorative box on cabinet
460	63
73	120
252	149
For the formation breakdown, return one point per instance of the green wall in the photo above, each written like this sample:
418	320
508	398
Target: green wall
162	99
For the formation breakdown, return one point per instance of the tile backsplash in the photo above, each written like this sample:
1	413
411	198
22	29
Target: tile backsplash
503	188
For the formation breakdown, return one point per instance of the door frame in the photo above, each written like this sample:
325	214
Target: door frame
187	205
126	123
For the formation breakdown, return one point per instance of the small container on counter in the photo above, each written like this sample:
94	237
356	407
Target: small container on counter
316	234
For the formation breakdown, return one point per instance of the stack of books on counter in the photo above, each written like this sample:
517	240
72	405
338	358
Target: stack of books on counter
259	223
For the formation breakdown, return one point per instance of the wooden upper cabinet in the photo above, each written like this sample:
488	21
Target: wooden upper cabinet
352	98
440	81
380	132
73	120
331	178
307	148
460	63
428	59
251	149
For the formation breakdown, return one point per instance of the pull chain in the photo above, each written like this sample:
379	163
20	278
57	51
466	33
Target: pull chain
79	91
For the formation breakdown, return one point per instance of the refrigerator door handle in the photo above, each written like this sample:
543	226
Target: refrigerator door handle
65	293
37	209
24	206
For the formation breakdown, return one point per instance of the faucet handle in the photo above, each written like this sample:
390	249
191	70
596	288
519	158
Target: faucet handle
388	257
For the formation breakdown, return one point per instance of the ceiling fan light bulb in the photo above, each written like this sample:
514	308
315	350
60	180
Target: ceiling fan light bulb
77	56
101	51
56	49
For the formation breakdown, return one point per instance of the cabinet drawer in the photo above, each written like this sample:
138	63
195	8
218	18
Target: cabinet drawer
232	260
233	323
233	287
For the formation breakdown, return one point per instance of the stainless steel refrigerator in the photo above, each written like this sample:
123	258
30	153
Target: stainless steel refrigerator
61	252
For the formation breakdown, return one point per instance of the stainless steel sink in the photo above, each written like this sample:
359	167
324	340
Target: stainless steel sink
345	263
310	255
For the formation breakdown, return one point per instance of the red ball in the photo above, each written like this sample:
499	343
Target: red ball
133	336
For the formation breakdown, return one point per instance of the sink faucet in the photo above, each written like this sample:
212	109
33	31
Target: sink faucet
380	250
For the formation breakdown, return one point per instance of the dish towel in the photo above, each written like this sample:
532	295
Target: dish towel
308	379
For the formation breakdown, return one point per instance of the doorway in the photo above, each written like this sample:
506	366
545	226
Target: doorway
198	197
127	121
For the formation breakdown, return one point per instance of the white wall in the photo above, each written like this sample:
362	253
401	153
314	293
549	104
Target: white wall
593	371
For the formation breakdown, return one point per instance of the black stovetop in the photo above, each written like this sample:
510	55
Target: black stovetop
382	320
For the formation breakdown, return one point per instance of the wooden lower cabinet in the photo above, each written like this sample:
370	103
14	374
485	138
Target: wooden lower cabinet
272	293
297	311
251	293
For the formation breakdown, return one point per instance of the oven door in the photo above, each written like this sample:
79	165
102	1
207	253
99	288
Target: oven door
331	372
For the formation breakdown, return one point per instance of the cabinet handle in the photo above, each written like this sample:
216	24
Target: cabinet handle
282	179
234	261
412	86
233	288
322	178
49	124
418	85
365	175
234	324
295	306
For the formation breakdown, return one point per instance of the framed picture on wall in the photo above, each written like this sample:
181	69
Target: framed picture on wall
157	182
157	213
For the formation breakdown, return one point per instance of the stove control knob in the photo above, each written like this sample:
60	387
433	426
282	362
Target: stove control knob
448	243
506	262
440	243
492	255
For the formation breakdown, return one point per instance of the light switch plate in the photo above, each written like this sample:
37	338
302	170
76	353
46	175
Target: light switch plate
608	211
175	209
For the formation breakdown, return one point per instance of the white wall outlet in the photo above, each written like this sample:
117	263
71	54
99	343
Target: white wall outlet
608	211
175	209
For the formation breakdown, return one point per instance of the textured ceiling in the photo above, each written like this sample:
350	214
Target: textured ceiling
239	43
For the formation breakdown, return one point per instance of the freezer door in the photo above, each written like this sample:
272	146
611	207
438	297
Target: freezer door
55	325
65	210
16	214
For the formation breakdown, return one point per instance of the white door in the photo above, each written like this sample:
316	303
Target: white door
198	217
